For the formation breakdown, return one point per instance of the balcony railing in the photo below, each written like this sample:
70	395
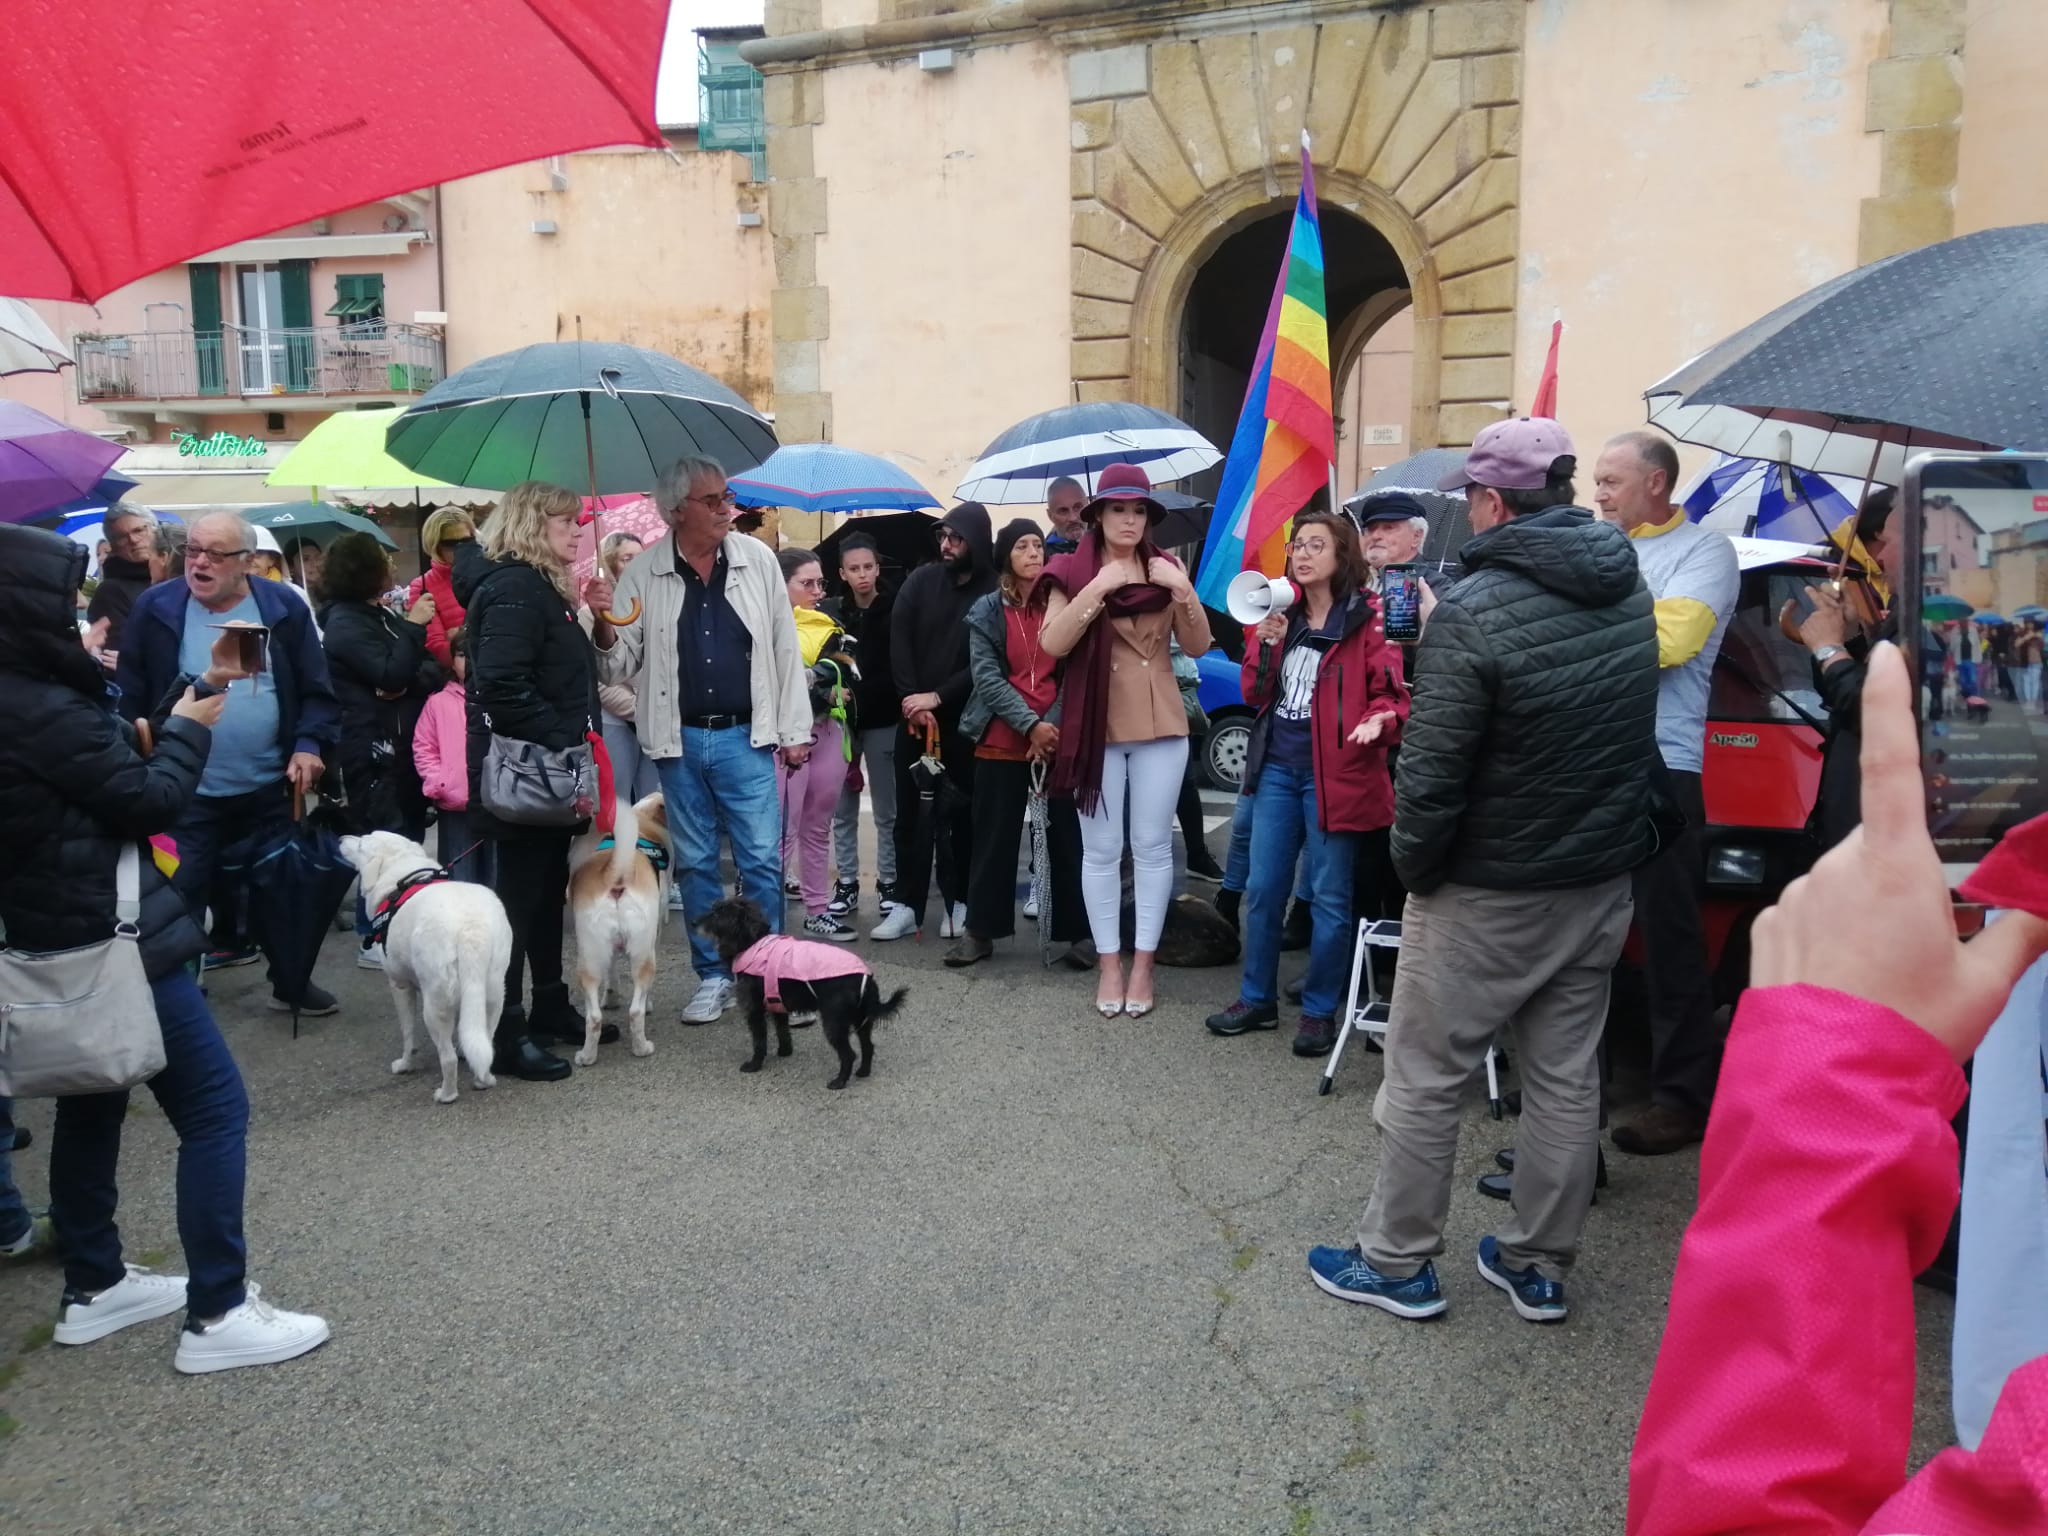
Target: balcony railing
237	363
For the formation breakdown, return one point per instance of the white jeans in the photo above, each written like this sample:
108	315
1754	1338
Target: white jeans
1147	775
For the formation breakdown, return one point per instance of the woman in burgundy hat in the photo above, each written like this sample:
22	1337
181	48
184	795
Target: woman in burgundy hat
1124	730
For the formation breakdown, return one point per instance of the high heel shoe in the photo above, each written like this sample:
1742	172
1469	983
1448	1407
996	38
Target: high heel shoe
1136	1008
1110	1010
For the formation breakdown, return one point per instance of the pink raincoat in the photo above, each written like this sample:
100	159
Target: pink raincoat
440	748
779	958
1782	1403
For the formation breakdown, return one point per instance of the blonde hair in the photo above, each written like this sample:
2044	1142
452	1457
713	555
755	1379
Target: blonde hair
437	529
607	552
518	530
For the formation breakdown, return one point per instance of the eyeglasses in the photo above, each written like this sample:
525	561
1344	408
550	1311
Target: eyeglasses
948	536
214	556
716	499
1310	547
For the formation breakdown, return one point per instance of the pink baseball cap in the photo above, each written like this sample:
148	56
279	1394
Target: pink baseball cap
1514	455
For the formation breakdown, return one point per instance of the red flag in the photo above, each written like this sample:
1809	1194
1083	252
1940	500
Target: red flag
1545	403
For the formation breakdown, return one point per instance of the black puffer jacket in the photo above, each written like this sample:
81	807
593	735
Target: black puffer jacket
532	675
73	788
121	582
1527	757
382	676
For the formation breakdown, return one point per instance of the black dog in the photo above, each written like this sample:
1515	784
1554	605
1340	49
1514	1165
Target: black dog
846	1005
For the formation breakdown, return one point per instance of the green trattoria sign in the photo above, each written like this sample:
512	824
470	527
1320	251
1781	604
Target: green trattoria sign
222	445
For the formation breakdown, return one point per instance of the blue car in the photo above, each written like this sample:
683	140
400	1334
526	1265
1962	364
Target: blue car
1230	721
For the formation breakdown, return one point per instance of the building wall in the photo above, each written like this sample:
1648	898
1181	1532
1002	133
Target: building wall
2005	120
648	250
1688	168
945	254
1377	393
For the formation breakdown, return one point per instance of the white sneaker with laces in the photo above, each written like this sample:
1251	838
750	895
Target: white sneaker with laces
899	923
136	1297
370	957
826	926
1031	908
712	998
954	923
255	1333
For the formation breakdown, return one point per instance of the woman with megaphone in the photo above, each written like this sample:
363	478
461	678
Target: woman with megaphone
1123	735
1327	683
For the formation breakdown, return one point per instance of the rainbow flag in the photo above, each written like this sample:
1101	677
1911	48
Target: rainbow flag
1286	438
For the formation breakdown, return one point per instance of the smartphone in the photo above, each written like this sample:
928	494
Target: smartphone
1401	597
253	643
1970	620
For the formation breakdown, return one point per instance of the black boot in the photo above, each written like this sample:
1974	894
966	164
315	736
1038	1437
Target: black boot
552	1018
516	1055
1299	927
1227	903
1501	1186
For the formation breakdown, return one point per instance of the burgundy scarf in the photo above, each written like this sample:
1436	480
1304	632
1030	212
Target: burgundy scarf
1084	712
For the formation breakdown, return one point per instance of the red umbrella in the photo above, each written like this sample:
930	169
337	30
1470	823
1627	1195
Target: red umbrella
139	136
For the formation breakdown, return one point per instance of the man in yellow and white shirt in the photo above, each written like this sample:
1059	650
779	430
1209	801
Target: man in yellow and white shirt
1695	579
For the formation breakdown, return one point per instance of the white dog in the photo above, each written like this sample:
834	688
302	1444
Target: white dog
445	954
618	894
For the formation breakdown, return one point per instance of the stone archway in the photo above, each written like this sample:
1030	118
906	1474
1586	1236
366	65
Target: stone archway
1415	119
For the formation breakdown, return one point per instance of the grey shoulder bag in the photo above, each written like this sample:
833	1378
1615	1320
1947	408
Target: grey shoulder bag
529	785
81	1020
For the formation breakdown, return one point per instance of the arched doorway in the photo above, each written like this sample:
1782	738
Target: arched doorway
1371	337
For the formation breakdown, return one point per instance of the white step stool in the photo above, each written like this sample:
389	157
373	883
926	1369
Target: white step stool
1371	1017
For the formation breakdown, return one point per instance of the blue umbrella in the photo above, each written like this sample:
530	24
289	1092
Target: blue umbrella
1759	499
1988	617
2031	611
595	416
823	477
110	489
1080	442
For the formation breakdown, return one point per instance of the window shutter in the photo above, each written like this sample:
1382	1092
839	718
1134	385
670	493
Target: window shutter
209	366
296	281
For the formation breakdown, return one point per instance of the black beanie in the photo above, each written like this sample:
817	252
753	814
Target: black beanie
1015	529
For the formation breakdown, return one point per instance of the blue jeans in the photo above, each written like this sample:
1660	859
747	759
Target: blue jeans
14	1217
1237	866
200	1092
1284	830
723	783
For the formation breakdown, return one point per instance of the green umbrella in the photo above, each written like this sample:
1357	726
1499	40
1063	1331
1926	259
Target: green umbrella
1944	606
316	520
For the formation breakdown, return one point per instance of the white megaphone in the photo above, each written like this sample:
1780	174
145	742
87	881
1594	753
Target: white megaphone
1252	595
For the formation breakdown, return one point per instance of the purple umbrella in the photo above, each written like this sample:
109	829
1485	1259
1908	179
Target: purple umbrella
44	463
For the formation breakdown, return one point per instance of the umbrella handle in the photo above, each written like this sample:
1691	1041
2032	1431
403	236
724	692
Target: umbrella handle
628	617
145	738
298	803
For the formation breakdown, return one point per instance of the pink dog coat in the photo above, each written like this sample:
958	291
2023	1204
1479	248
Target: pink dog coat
779	958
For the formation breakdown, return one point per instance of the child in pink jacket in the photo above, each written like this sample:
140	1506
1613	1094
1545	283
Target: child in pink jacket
440	750
1782	1403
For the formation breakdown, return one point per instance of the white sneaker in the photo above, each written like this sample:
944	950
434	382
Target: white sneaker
1031	908
675	898
899	923
137	1297
255	1333
954	923
713	997
370	957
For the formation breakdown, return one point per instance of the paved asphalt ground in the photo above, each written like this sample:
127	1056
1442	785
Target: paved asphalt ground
1040	1273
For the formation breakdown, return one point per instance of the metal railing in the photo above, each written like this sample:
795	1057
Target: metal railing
239	363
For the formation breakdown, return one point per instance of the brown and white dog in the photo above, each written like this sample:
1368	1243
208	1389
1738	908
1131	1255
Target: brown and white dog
618	894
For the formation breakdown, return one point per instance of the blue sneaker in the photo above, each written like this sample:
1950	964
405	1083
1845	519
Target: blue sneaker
1344	1273
1536	1299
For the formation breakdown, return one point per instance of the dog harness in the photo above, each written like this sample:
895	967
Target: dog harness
779	958
408	887
656	854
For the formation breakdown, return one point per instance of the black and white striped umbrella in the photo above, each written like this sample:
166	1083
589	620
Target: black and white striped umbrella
1079	442
597	417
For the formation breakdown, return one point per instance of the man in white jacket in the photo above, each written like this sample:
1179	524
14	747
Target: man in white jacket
711	650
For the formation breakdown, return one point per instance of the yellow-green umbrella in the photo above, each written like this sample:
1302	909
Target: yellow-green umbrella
346	453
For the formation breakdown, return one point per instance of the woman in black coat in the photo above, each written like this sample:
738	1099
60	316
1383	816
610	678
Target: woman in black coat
74	792
532	677
382	676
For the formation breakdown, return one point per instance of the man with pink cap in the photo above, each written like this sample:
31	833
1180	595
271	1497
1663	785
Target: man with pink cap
1524	802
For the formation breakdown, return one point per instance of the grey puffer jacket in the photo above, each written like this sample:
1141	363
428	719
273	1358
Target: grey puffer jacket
1527	757
988	660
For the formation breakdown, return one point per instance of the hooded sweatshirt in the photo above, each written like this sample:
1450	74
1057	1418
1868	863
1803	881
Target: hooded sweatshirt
928	631
1532	732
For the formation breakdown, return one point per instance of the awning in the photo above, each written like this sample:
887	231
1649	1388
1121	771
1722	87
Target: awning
349	309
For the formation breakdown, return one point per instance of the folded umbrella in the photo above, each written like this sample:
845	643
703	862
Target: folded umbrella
1079	442
824	477
44	463
1933	348
296	884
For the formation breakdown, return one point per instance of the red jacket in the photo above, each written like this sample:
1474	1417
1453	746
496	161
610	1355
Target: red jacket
1359	677
1782	1403
448	613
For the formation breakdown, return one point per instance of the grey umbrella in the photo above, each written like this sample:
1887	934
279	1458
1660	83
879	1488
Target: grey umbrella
1934	348
1418	475
599	417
